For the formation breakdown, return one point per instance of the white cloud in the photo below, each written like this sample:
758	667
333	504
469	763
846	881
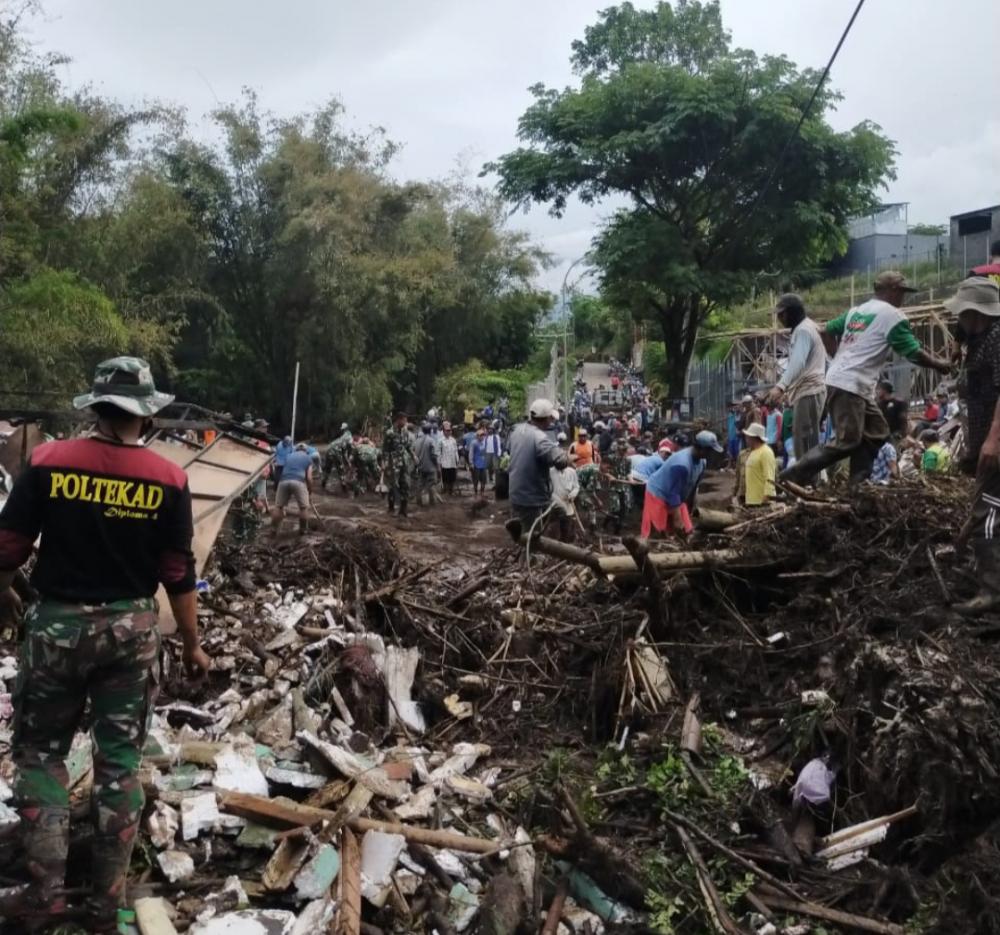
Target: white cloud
447	77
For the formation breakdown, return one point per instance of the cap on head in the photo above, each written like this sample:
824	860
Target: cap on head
541	409
665	445
748	398
890	280
127	383
708	440
583	432
790	300
344	426
301	446
755	430
976	294
561	437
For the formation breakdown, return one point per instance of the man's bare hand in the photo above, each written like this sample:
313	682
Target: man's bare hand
196	661
989	454
11	606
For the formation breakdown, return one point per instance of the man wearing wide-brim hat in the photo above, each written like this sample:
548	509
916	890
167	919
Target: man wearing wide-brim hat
977	306
115	523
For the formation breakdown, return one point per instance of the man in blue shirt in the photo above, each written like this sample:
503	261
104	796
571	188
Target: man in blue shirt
477	463
642	470
281	452
296	484
467	439
671	489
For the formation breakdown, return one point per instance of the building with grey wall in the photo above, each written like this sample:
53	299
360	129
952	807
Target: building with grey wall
971	236
882	240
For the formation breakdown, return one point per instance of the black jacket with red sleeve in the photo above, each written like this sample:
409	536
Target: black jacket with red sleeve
115	521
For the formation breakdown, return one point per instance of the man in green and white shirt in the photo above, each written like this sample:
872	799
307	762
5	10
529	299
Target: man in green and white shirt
868	335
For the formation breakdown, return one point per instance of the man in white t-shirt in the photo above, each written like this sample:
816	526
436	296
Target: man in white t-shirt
868	335
802	386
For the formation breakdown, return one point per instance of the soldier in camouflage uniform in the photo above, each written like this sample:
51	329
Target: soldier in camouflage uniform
115	521
398	462
365	458
618	468
339	458
590	485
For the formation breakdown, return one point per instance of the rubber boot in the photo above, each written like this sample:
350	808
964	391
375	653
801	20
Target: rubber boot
111	858
45	832
988	573
810	464
402	507
392	502
862	459
303	525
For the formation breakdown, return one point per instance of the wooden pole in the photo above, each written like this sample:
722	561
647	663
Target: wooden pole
847	919
295	399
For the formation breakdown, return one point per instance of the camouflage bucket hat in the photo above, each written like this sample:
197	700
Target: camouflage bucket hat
125	382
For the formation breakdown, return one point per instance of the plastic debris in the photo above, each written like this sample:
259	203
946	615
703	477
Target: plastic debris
379	856
462	907
176	865
813	783
248	922
400	670
198	813
315	877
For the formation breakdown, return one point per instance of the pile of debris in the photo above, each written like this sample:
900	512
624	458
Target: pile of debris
783	722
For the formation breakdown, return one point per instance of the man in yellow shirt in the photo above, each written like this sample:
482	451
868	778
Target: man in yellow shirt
761	467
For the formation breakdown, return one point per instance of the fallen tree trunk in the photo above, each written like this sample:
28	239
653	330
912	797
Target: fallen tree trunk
663	561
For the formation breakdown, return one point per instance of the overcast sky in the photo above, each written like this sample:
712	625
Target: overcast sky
449	78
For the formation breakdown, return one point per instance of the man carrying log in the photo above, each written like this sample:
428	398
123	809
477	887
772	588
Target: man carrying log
869	334
115	521
977	304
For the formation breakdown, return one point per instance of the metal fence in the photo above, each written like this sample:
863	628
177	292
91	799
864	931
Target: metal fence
714	385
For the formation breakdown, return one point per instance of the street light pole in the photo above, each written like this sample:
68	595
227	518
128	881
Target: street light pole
566	323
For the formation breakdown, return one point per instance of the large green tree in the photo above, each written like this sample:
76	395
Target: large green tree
693	132
281	241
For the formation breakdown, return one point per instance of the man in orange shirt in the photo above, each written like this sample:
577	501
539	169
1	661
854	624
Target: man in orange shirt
582	452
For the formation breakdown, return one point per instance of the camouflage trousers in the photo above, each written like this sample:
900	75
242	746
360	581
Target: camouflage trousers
71	653
397	479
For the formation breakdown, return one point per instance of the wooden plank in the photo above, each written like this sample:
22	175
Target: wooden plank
286	813
349	914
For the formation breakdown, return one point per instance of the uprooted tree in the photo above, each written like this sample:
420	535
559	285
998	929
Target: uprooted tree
693	131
